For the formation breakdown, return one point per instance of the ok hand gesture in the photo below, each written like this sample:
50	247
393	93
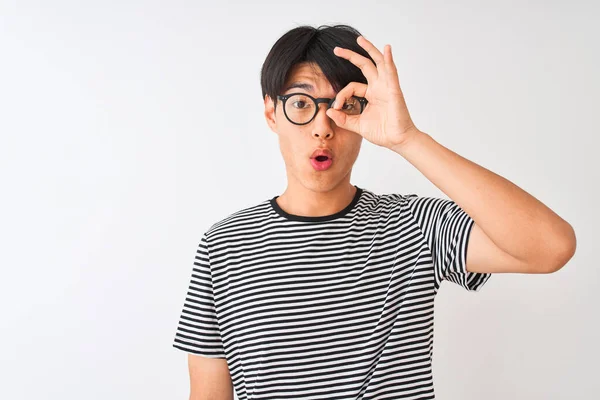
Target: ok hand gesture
385	121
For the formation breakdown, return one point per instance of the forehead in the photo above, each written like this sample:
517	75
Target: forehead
308	77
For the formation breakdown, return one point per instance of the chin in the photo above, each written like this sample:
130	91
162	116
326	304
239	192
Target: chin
322	184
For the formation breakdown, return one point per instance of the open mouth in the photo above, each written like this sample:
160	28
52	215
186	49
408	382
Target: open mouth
321	163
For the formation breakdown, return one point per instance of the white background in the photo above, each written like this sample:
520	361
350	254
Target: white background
128	128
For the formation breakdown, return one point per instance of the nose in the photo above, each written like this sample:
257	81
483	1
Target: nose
322	125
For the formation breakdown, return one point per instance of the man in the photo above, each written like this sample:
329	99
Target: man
327	290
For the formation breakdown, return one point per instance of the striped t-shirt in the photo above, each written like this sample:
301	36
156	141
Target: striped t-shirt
328	307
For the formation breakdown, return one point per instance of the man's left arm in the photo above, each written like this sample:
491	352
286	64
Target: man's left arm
513	231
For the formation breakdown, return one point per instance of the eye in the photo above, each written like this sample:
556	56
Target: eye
349	106
300	104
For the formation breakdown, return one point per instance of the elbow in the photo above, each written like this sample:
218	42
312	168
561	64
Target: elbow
567	246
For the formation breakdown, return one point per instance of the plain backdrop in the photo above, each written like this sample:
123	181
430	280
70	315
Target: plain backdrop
129	127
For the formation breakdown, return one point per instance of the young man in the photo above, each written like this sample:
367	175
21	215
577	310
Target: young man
327	291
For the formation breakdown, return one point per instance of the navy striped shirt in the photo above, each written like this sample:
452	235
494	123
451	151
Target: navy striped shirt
329	307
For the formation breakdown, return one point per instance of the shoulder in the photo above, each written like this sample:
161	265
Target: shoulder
414	205
386	205
392	199
418	204
237	220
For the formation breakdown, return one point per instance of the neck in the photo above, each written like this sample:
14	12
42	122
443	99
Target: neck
302	201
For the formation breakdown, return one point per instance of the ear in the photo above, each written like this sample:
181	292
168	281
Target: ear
270	113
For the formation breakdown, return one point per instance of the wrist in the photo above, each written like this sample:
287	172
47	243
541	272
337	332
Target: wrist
410	138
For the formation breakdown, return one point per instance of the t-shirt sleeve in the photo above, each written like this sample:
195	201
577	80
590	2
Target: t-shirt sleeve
446	227
198	329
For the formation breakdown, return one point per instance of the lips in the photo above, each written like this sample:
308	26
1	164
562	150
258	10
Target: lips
321	165
321	159
322	155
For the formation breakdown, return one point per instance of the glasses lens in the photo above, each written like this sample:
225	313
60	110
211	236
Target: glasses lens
300	108
351	106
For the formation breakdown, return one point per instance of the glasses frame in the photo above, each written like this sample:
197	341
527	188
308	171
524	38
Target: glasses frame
317	100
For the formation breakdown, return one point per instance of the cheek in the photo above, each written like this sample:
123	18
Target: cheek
352	146
292	147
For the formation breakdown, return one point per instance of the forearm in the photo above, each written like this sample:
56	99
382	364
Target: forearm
513	219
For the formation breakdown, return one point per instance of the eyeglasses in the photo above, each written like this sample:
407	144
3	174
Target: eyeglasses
301	108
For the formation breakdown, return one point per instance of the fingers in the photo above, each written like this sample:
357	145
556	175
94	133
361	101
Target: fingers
351	89
366	66
341	119
344	121
370	71
372	50
391	71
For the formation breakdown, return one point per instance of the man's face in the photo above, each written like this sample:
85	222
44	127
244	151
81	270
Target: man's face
298	142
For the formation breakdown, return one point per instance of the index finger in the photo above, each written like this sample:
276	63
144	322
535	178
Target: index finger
367	67
372	50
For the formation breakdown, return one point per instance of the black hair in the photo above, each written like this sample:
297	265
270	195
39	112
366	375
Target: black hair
313	45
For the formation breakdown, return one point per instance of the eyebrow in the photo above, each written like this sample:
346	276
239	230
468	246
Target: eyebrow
301	85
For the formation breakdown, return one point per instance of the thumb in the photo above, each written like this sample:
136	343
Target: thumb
343	120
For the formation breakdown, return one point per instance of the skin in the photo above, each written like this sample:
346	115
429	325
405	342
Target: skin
513	231
310	192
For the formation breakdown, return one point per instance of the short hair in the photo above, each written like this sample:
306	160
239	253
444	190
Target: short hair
313	45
